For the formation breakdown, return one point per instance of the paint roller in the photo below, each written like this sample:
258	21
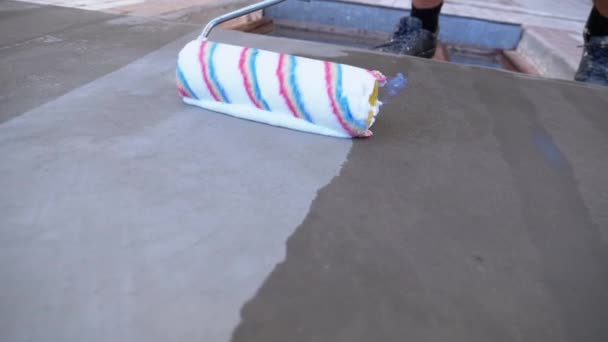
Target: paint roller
278	89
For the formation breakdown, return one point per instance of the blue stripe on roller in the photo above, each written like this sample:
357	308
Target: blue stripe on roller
296	91
213	75
344	102
254	76
183	81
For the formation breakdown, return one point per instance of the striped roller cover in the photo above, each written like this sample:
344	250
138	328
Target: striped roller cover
278	89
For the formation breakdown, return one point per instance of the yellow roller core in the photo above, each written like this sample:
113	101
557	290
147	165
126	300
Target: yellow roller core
373	100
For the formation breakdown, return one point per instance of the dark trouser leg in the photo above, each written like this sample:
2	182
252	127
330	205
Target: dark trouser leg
428	12
594	63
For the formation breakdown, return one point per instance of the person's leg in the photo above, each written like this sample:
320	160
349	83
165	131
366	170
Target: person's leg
416	35
428	12
602	6
594	63
597	24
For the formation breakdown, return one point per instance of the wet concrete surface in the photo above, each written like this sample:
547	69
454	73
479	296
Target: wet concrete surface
462	219
477	212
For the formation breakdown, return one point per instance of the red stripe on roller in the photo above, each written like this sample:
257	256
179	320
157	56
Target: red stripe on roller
283	86
205	71
331	93
247	78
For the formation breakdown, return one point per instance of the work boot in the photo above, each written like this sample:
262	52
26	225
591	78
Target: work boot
594	64
411	39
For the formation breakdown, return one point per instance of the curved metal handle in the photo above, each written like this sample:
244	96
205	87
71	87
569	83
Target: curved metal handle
235	14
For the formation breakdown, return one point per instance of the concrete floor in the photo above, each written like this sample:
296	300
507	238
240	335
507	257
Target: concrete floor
551	43
552	29
477	212
558	14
